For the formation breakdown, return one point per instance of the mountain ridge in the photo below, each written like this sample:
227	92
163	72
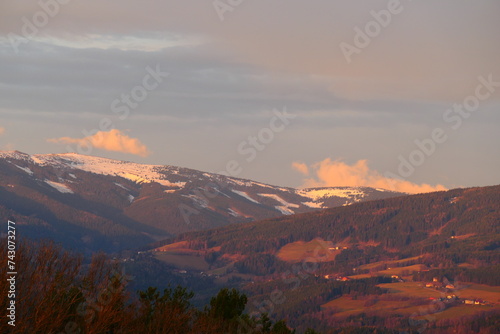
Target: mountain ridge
125	199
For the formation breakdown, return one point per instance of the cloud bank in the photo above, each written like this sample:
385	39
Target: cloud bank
328	173
113	140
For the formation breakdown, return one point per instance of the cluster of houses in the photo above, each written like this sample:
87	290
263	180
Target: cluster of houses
475	302
439	285
397	278
448	299
451	297
337	278
337	248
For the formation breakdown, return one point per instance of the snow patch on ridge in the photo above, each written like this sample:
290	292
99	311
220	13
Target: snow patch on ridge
198	200
280	200
285	207
25	169
121	186
61	187
284	210
245	195
313	204
233	213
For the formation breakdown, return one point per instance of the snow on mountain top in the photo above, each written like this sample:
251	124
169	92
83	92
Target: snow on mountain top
14	155
133	171
143	173
318	193
139	173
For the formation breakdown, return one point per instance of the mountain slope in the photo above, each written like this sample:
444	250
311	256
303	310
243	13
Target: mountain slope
375	263
459	225
97	203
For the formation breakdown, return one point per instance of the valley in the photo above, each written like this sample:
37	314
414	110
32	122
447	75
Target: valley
318	258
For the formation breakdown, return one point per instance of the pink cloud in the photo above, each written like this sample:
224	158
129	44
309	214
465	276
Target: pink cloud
301	168
328	173
113	140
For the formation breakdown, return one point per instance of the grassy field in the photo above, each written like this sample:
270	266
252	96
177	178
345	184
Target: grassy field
468	291
317	249
345	305
174	246
478	291
400	271
459	311
403	270
412	289
388	263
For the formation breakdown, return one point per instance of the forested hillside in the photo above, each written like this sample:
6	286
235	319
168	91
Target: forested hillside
455	226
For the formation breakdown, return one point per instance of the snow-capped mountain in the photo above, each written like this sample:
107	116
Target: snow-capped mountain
101	199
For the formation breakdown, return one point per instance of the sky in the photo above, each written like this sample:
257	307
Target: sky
402	95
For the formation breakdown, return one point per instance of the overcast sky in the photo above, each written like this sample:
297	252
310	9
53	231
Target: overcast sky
199	84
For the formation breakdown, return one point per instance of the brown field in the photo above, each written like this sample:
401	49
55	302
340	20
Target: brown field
361	276
371	243
182	260
182	245
316	249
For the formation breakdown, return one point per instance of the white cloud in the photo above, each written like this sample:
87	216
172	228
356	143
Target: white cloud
148	43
